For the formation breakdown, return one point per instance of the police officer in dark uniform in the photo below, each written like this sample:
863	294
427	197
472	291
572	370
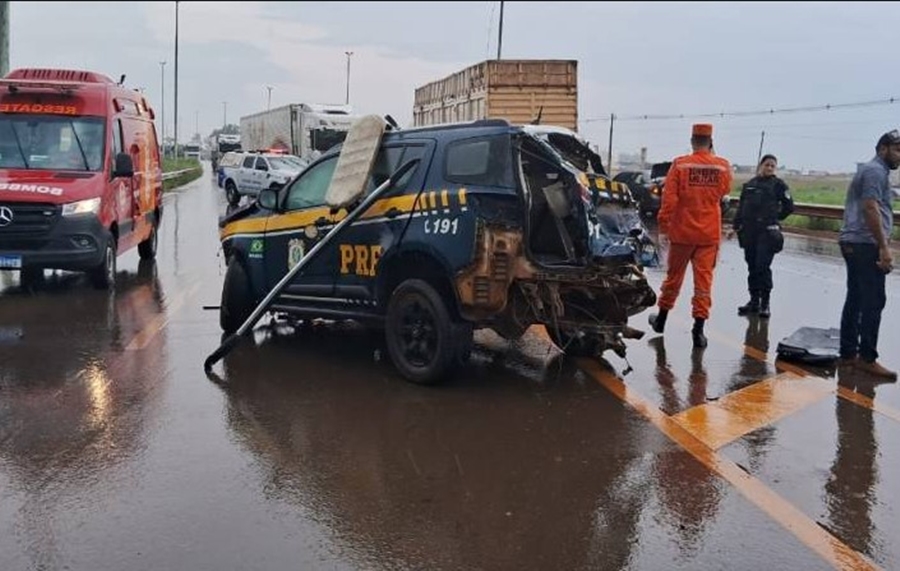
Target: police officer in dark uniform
765	199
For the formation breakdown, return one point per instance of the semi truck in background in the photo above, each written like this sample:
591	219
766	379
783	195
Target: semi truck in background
543	92
223	143
304	130
227	142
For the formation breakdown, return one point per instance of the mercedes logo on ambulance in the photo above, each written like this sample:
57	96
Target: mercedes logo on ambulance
6	216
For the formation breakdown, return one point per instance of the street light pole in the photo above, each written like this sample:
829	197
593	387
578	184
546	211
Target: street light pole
269	100
176	79
348	76
500	34
162	81
4	38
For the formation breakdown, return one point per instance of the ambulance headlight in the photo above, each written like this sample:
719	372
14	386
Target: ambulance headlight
89	206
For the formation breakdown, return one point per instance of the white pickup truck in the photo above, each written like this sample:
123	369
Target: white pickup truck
248	173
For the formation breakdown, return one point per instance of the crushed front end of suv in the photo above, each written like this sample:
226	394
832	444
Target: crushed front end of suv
494	228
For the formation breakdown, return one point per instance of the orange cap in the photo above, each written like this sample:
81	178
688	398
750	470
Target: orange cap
701	130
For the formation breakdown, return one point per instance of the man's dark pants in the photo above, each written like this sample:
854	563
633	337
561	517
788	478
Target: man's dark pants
861	317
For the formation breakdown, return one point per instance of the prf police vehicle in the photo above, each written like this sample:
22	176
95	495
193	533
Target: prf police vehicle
493	228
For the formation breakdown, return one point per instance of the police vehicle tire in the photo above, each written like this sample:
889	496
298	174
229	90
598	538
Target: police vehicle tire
572	345
231	193
147	248
424	342
103	276
237	297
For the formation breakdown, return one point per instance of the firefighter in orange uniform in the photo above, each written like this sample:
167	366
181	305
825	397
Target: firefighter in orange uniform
690	219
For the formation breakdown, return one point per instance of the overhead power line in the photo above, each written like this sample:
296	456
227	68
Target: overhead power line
759	112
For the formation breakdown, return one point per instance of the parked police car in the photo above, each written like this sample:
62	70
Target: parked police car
494	228
248	172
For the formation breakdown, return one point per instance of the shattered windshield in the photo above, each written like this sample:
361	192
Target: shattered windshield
576	152
573	151
51	142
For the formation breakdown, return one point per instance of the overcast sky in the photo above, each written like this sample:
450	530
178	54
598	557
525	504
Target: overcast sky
633	59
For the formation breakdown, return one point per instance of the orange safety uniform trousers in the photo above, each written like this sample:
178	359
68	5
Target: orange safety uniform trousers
703	261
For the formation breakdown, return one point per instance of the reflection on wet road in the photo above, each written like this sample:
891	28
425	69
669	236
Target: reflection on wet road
116	452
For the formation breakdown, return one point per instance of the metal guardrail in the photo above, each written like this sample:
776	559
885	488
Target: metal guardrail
174	174
818	211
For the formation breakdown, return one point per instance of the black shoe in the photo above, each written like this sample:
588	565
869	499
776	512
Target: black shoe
751	306
764	310
697	333
658	320
700	341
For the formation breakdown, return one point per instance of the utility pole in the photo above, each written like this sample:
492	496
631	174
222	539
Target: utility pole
4	38
176	79
762	138
197	123
269	99
348	76
500	35
612	120
162	82
224	114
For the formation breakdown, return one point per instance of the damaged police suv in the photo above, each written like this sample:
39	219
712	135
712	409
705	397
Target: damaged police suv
495	227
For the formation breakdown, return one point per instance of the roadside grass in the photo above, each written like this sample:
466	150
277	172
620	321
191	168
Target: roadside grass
830	191
809	190
170	165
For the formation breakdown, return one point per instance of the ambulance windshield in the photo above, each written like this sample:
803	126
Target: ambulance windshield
50	142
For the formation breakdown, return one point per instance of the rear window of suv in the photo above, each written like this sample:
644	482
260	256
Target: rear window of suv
230	160
479	161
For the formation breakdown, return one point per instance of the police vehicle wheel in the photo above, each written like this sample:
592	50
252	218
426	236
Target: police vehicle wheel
147	248
104	275
573	345
237	298
423	341
231	193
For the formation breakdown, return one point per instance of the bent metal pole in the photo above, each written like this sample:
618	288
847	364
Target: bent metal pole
263	306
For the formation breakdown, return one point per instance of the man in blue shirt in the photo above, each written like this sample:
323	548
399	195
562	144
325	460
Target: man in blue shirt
865	244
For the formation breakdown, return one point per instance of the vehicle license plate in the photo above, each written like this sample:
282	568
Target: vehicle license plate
11	262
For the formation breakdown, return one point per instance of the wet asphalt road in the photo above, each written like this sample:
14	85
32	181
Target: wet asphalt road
117	452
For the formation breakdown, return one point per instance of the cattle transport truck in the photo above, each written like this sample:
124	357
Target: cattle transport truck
521	91
300	129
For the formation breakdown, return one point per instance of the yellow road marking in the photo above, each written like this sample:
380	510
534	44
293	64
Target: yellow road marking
157	324
833	386
865	401
742	412
830	548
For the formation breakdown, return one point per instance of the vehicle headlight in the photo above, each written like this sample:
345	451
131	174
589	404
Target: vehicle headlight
89	206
